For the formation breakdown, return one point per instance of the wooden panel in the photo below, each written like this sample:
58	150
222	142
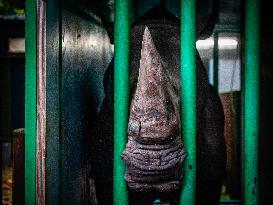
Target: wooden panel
53	39
78	52
86	53
18	155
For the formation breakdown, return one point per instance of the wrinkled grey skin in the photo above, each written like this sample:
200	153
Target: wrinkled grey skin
211	150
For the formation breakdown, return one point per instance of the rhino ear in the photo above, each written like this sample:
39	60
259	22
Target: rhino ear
154	102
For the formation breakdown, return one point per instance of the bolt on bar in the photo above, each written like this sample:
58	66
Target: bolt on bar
251	103
121	98
188	98
30	104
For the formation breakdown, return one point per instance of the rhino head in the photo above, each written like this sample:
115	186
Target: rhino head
154	153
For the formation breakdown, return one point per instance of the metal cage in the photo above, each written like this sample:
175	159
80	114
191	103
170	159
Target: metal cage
250	99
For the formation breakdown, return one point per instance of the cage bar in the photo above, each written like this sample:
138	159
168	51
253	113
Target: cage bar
216	60
251	103
188	98
121	97
30	104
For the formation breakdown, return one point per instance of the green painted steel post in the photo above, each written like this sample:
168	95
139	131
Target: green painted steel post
30	104
216	60
121	97
251	103
188	98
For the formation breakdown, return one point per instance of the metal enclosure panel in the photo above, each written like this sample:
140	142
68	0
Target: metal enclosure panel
52	185
78	51
86	53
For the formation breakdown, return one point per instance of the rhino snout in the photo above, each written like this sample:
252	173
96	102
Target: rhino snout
153	130
153	167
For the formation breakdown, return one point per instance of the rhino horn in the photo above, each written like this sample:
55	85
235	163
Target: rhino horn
154	151
154	115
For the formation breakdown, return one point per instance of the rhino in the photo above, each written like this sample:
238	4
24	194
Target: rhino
154	154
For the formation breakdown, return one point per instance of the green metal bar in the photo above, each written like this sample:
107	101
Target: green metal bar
121	97
188	98
231	28
230	201
30	104
216	60
251	103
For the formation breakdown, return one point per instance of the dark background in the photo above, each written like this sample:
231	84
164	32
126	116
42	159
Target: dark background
266	139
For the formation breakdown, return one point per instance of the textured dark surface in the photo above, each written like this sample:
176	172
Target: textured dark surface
53	177
211	153
12	78
18	150
78	53
266	140
154	152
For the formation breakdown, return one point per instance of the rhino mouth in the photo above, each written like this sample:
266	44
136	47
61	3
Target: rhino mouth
153	167
154	153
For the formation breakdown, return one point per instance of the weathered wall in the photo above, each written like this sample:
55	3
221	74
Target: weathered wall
78	52
86	53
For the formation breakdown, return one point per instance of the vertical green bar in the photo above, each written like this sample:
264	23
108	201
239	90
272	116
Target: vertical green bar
251	103
121	97
30	104
188	98
216	60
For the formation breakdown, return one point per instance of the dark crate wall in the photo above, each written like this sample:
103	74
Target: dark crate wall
86	53
12	80
266	97
78	51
